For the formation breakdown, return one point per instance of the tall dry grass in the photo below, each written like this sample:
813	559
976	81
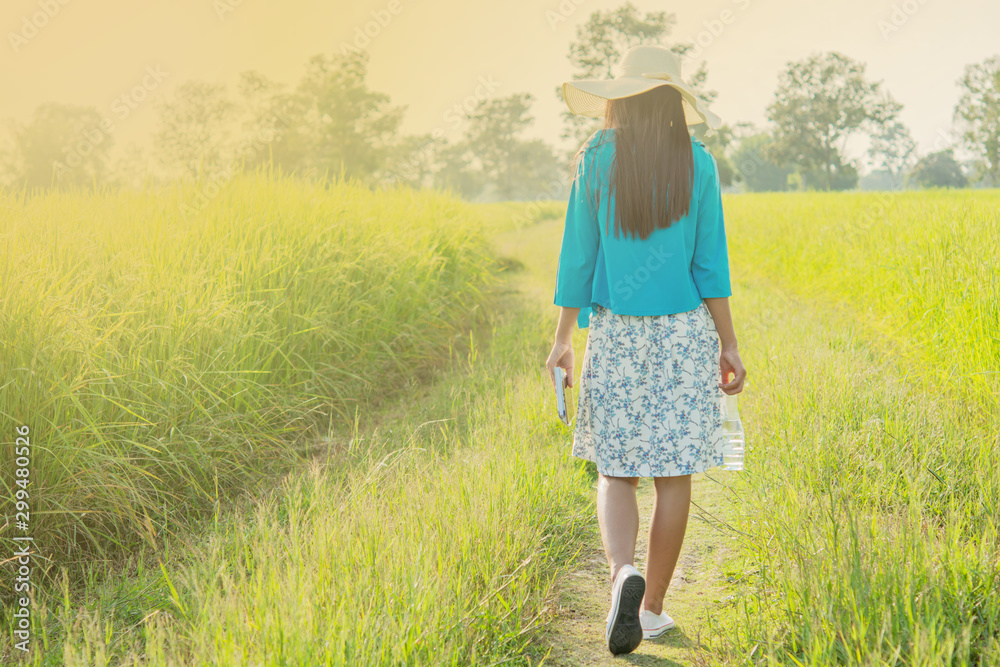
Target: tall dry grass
169	349
920	267
434	537
866	518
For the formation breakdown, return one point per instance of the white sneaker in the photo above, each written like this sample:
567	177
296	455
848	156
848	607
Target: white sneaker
654	625
624	631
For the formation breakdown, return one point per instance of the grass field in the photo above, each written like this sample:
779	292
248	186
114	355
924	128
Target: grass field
428	537
440	528
864	529
169	351
920	267
870	505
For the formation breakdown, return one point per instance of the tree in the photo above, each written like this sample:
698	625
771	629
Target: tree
719	145
820	102
892	148
536	173
413	162
938	170
755	167
845	177
878	180
511	164
62	145
492	135
132	170
457	173
600	44
351	129
8	161
195	129
274	130
978	112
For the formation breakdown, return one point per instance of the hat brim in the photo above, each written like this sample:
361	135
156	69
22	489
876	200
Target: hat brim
589	97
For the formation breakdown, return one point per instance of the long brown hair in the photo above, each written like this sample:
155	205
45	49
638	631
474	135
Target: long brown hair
652	154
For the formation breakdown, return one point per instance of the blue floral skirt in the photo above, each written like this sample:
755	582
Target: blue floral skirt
649	396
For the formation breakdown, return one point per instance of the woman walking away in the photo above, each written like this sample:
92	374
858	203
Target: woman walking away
644	263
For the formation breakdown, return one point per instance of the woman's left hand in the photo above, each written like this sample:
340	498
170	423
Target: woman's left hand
561	356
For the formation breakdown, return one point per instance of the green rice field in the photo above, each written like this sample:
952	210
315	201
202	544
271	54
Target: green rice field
297	425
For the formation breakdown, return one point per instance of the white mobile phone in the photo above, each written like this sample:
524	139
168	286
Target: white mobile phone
560	382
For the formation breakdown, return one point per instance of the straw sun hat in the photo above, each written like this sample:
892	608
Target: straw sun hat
641	68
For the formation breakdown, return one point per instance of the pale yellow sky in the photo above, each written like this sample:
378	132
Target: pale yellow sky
432	54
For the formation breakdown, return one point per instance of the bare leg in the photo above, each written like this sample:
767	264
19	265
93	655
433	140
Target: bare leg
666	534
618	517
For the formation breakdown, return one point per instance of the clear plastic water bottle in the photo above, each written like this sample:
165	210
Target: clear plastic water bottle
732	429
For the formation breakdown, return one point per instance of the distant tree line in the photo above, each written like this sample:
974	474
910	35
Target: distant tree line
332	125
825	99
821	102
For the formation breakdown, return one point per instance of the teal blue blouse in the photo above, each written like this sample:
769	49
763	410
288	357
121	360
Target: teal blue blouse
670	271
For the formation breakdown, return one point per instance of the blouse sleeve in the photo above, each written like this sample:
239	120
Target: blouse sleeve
580	244
710	262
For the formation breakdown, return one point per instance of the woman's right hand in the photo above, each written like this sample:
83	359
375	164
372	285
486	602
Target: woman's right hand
730	362
561	356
